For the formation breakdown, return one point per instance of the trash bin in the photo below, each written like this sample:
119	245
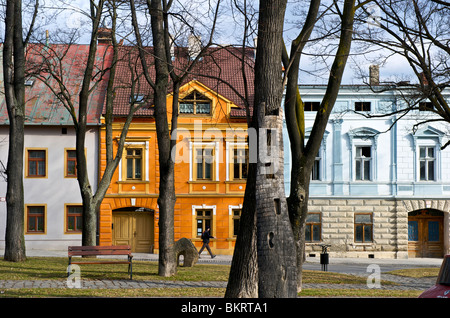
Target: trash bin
324	257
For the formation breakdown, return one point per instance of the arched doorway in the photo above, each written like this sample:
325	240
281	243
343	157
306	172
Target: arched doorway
133	226
425	233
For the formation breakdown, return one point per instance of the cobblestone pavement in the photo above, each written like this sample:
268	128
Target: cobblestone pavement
403	283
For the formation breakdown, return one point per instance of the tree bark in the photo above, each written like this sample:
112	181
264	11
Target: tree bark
275	244
14	81
166	199
90	205
303	157
243	278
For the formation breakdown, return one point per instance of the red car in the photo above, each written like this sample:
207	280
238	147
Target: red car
442	287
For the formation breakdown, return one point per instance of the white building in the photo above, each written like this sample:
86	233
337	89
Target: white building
380	187
51	192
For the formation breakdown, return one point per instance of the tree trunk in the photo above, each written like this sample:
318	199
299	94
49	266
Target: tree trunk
90	206
13	74
14	238
298	211
275	244
243	278
166	200
303	157
275	241
166	203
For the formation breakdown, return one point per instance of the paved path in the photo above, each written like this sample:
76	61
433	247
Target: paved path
404	284
343	265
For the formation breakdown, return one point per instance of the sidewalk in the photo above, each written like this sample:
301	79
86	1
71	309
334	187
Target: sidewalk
226	259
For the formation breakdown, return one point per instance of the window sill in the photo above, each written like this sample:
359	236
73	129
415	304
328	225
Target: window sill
203	181
194	115
132	181
363	243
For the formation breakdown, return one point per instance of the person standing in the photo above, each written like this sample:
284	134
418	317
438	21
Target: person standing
205	238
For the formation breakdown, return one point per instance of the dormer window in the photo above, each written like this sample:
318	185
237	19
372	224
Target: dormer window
195	103
137	99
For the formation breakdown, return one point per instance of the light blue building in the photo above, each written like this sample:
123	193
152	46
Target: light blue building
381	185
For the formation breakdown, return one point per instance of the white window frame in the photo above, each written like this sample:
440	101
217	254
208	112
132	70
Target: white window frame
363	160
428	137
138	144
363	137
194	145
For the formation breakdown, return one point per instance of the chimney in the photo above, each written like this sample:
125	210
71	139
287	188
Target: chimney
104	36
374	75
423	79
194	46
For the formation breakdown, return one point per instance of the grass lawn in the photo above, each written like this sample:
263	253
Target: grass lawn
54	268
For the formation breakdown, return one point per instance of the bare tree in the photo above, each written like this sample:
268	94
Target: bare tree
14	83
48	65
303	153
418	32
166	76
243	278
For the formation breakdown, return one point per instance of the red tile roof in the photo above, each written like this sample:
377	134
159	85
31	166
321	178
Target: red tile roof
219	69
42	105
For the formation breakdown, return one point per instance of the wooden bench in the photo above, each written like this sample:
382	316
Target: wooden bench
102	250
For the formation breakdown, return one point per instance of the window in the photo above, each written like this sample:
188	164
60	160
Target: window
236	215
362	106
37	163
35	219
363	154
313	228
74	218
413	230
427	163
427	154
134	163
204	159
363	160
71	163
318	172
311	106
204	220
426	106
363	227
315	174
195	103
240	163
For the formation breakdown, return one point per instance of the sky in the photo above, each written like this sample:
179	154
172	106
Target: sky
74	18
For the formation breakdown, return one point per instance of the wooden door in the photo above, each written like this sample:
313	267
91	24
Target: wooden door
122	229
134	229
143	235
425	234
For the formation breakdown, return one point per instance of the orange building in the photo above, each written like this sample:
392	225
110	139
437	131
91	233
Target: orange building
211	155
